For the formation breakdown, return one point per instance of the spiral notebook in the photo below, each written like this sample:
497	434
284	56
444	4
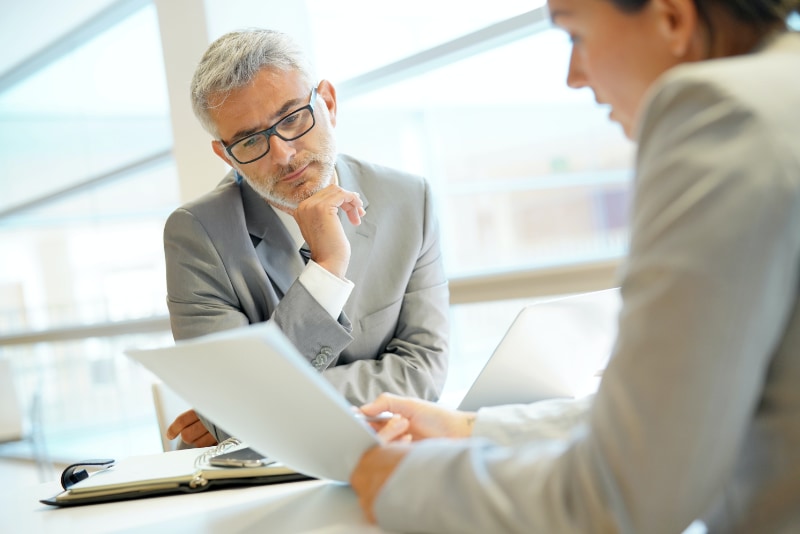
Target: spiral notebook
168	473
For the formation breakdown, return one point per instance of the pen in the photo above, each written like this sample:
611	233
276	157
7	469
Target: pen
383	416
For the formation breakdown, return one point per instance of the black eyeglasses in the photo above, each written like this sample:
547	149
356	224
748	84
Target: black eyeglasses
293	126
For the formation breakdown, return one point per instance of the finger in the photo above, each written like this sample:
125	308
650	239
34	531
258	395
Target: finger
370	514
394	429
353	208
184	420
353	213
366	505
206	440
390	402
374	468
192	433
202	440
382	403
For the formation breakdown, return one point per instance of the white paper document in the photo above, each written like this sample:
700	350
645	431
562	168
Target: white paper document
252	382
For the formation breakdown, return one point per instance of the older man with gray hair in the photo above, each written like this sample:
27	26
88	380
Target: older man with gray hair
342	254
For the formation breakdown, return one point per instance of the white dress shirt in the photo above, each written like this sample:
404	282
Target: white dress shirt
329	290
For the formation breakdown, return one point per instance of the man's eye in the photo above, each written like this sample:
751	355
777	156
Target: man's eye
250	141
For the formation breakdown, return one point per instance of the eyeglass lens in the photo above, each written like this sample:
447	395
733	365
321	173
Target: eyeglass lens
290	128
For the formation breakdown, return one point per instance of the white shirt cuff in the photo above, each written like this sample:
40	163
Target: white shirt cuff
329	290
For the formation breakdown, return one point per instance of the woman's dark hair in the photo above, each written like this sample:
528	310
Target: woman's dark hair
758	13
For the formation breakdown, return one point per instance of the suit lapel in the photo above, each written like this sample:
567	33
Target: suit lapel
275	248
273	244
361	237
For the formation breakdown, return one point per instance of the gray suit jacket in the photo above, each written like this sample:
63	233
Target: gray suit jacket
230	262
698	412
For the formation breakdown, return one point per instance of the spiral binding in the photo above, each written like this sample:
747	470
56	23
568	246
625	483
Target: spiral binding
224	446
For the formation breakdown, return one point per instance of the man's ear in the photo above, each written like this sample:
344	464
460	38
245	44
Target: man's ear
678	24
219	150
327	91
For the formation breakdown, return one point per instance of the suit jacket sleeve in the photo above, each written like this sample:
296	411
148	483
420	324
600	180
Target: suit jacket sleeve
202	298
199	287
415	359
710	285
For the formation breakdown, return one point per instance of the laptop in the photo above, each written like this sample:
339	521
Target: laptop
553	349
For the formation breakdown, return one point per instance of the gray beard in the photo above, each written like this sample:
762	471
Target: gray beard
327	159
281	202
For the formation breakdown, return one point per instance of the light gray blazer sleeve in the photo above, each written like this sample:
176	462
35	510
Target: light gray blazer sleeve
412	327
698	403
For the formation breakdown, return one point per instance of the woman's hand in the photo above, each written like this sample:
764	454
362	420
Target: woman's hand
417	419
372	472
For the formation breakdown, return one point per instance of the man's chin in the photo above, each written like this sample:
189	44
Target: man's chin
293	194
290	201
268	194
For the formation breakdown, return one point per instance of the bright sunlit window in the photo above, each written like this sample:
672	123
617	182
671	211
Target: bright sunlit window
76	133
355	36
94	110
528	172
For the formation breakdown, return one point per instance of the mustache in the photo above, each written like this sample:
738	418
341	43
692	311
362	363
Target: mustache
299	164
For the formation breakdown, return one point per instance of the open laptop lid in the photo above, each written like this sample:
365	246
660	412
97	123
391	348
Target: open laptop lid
555	348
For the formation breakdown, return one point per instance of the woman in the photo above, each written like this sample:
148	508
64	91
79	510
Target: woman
698	415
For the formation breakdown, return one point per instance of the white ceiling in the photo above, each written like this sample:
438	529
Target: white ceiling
28	26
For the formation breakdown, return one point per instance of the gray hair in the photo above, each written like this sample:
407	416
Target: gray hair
234	60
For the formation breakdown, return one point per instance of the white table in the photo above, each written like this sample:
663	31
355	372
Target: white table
296	507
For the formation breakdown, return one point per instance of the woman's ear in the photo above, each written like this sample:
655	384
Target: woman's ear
678	23
327	91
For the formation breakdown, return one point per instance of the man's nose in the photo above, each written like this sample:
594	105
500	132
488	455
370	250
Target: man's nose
281	151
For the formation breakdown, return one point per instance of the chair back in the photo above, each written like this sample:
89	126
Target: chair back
168	406
10	411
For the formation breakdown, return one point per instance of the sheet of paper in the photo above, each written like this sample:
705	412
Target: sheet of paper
252	382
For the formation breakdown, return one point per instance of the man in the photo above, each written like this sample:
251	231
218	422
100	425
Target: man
370	308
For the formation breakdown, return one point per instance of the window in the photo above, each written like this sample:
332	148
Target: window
97	109
528	172
87	141
794	21
352	37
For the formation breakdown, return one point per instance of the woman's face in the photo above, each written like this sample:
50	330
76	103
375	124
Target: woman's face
619	55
